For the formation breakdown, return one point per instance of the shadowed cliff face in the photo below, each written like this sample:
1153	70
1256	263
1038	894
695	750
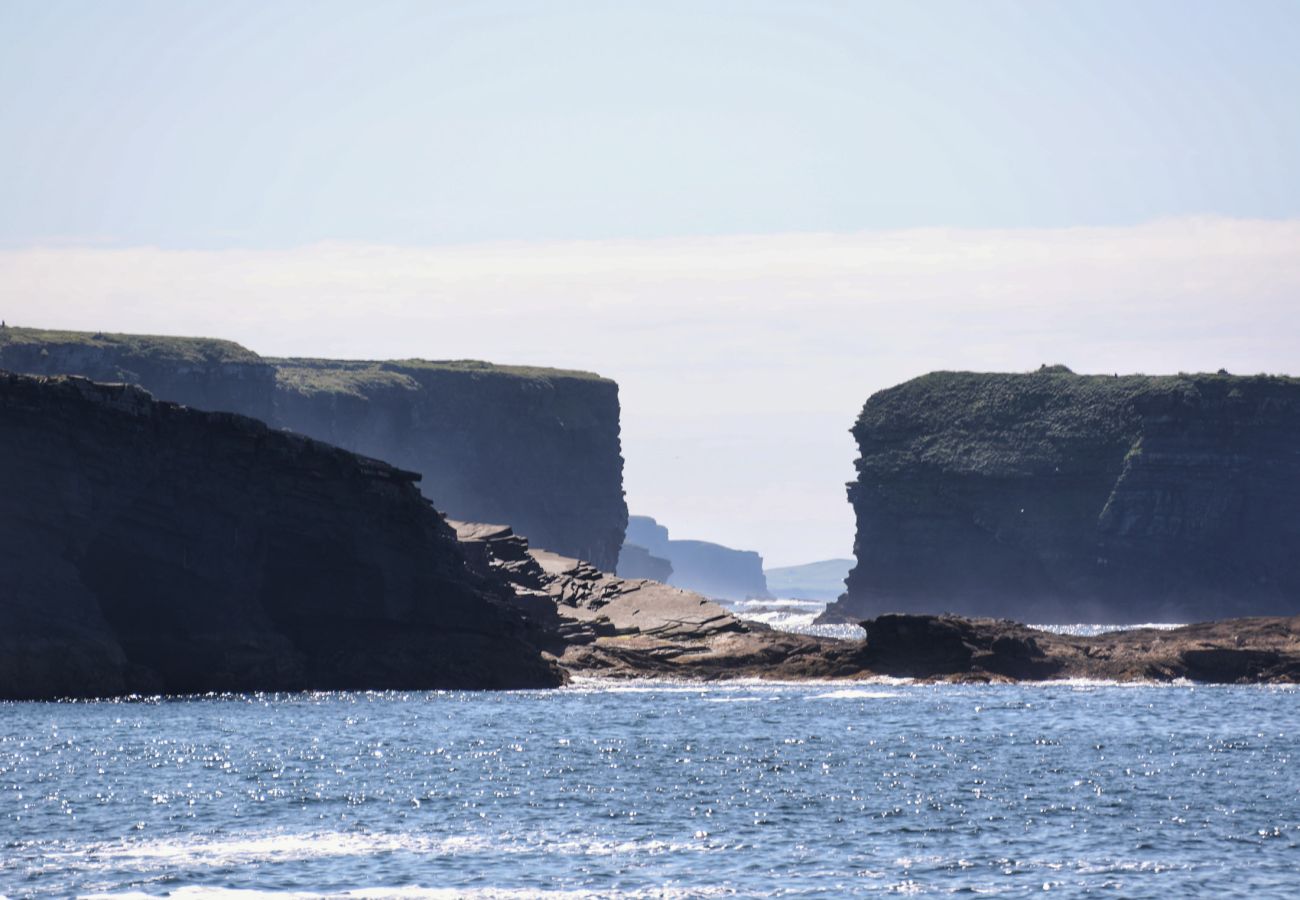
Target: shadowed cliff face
537	448
1053	497
199	372
147	547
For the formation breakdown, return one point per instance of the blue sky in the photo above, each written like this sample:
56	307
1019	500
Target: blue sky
273	124
751	214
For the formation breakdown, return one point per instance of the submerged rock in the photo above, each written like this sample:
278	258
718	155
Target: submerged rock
150	548
1232	651
1053	498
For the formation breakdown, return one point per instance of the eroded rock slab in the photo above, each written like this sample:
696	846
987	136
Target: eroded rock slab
631	627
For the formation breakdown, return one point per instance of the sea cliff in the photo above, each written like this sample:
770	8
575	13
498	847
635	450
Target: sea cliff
713	570
1055	497
146	547
537	448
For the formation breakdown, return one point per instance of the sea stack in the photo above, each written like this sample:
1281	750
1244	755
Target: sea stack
146	547
1053	497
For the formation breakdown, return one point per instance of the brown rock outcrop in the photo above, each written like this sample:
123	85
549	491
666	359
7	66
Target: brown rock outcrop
600	624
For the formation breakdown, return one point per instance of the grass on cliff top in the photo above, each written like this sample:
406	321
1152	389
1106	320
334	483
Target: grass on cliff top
179	349
315	376
1010	422
306	375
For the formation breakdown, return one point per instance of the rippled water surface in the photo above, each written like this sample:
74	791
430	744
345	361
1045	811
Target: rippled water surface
654	790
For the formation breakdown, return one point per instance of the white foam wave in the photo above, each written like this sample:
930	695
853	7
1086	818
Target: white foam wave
419	893
1084	629
278	847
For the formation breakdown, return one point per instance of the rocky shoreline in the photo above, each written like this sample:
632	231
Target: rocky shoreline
595	624
152	548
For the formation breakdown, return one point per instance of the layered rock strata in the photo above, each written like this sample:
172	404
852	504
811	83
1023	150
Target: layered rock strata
600	624
1054	497
146	547
538	448
596	624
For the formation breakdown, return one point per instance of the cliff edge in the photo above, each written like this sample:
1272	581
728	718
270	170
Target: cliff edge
146	547
1054	497
538	448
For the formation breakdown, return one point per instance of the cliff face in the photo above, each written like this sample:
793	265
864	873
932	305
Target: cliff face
638	562
199	372
1054	497
147	547
537	448
710	569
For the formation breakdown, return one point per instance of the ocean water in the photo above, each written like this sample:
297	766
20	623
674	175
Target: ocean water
797	615
659	790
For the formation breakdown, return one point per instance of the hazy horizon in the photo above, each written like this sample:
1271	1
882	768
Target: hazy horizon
750	215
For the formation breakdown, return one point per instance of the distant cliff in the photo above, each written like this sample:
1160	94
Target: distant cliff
710	569
537	448
822	580
148	547
638	562
1055	497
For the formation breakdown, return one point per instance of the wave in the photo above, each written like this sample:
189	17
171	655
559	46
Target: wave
793	615
418	893
797	616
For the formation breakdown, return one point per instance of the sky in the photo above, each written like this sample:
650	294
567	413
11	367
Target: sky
752	215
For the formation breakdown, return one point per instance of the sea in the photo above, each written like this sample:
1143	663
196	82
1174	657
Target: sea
659	789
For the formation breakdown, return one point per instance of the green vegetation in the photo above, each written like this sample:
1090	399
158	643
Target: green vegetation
1008	424
307	376
362	377
163	347
321	376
